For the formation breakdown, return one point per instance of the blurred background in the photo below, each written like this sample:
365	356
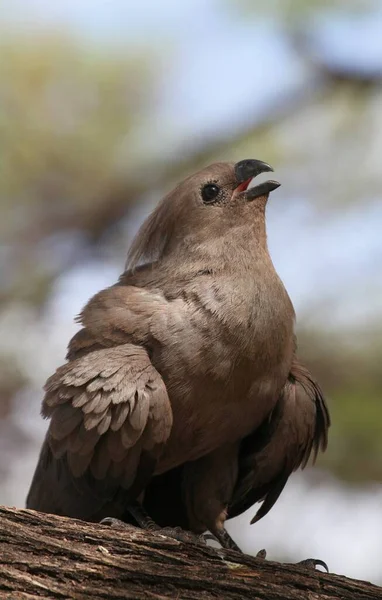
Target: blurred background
103	106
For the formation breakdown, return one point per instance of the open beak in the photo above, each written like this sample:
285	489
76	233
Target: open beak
245	171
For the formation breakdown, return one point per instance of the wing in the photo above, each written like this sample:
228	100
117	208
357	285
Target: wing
108	406
105	408
296	429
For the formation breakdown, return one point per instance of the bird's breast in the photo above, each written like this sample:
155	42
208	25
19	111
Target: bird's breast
225	367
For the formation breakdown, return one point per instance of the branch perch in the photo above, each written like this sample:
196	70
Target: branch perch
46	556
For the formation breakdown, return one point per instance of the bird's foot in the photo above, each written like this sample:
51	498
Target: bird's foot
116	523
176	533
308	563
182	535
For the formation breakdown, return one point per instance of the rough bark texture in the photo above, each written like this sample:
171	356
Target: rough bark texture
45	556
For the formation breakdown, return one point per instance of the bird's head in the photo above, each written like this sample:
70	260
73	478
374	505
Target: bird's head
224	186
213	204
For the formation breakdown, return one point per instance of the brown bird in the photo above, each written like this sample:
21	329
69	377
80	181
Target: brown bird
182	395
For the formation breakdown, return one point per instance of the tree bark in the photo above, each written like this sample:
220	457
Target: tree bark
46	556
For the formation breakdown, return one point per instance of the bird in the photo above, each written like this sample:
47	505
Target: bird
182	401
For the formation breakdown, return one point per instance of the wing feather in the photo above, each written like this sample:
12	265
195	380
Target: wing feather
296	430
104	407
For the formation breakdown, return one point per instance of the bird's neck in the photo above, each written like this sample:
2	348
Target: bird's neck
241	249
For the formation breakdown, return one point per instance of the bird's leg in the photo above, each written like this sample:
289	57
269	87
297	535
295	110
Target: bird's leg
142	518
136	510
225	539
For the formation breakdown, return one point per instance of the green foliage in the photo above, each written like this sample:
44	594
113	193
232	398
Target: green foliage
64	112
356	436
350	374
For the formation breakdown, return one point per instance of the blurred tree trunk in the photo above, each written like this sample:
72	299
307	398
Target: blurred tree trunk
45	556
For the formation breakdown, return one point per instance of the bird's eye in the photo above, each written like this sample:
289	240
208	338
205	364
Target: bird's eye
210	192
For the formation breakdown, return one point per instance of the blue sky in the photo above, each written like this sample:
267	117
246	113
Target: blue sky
206	54
217	64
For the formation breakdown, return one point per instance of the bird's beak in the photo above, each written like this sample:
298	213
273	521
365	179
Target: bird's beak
245	171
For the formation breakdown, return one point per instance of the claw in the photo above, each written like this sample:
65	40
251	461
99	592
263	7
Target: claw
312	563
308	563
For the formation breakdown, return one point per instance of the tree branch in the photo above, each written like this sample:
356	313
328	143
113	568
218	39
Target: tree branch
45	556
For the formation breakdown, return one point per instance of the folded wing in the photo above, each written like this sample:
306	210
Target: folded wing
296	429
105	408
109	410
